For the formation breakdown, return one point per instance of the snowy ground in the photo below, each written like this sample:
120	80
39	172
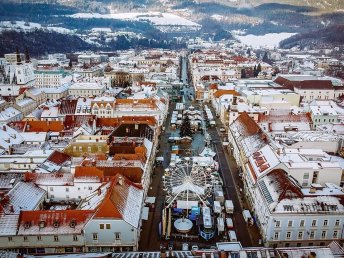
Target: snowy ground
30	26
268	40
156	18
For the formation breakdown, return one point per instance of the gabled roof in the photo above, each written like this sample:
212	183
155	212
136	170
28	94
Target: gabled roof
114	122
123	200
303	84
23	196
59	158
44	126
53	222
219	93
247	125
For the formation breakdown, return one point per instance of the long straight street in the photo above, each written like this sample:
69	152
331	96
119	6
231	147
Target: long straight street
150	238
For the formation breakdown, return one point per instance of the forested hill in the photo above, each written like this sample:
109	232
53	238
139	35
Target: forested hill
330	36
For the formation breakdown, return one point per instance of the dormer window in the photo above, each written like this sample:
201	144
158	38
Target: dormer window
56	224
27	225
41	224
72	224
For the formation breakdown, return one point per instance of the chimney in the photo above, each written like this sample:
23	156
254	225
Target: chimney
11	208
234	103
120	180
4	128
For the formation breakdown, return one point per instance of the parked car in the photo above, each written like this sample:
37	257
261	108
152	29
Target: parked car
185	247
171	245
194	248
229	223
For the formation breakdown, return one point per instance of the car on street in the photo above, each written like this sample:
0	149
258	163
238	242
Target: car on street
170	245
185	247
194	248
222	129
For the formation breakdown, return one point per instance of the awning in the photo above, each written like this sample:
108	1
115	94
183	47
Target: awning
150	199
186	204
145	212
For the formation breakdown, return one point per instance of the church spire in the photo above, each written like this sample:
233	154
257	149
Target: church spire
18	57
27	56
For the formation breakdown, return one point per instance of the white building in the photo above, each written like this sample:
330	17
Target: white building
86	89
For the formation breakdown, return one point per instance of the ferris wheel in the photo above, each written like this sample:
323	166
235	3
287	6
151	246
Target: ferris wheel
188	181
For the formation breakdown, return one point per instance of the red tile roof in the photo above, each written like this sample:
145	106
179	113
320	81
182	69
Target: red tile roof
305	84
114	122
116	198
219	93
59	158
43	126
63	218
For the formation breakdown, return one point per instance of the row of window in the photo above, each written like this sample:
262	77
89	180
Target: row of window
117	235
302	223
39	238
89	148
311	234
51	188
102	112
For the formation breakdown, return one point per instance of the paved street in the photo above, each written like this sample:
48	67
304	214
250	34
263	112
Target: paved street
150	239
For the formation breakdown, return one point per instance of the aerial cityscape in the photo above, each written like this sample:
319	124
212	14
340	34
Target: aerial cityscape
172	128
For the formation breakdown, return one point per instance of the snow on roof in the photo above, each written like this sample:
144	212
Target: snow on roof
264	160
8	225
56	90
24	196
8	113
9	136
24	102
34	136
308	136
49	112
318	204
54	179
57	222
86	86
119	198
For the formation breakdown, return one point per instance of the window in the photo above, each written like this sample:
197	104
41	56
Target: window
335	234
276	235
101	226
323	234
56	238
300	235
305	175
75	238
39	238
67	189
302	223
298	244
95	237
288	235
277	224
10	239
314	223
25	238
89	149
290	223
325	223
108	226
311	235
117	236
90	188
337	222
